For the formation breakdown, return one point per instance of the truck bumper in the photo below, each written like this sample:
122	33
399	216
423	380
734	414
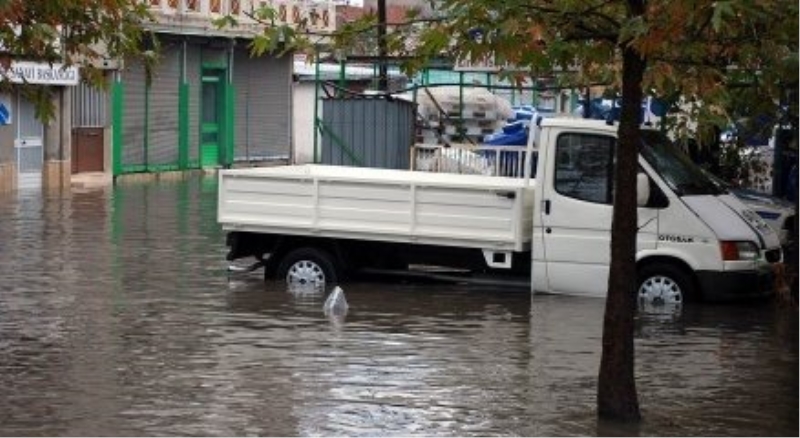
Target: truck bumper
733	285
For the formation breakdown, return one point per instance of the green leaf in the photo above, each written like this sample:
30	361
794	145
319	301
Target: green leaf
722	12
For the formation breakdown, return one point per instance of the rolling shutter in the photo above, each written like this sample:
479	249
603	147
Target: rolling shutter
164	109
193	78
133	123
263	106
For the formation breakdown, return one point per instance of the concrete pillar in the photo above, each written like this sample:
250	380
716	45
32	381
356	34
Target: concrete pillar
66	136
8	135
8	164
57	170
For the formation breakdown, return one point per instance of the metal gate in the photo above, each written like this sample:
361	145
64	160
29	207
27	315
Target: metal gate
367	131
28	145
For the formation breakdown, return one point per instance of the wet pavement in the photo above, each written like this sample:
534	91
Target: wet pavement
117	317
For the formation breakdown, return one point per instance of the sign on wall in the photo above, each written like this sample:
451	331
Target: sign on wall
5	109
38	73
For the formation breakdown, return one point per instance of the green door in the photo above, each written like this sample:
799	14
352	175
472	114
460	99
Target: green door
211	120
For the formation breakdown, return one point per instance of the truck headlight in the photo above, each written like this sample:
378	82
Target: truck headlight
739	250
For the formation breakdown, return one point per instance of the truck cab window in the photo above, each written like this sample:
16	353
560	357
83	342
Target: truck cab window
585	167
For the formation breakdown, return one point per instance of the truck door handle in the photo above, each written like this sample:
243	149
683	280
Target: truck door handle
546	206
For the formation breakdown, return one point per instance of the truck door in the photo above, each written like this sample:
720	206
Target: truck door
577	214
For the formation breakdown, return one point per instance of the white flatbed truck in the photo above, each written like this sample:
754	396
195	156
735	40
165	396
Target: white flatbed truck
319	223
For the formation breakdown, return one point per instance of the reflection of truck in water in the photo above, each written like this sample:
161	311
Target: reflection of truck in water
316	223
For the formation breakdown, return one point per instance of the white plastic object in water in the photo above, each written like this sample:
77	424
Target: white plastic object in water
336	304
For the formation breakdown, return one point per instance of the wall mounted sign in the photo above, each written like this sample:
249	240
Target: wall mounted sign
40	73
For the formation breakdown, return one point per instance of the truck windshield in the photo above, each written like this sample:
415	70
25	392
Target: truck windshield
678	171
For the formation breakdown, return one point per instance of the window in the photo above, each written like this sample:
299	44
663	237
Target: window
215	6
585	167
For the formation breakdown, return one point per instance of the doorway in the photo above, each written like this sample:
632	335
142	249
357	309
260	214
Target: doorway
87	150
28	145
212	108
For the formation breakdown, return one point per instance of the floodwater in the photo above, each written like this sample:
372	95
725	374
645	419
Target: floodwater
117	317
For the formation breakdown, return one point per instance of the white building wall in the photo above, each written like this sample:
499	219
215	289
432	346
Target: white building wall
303	122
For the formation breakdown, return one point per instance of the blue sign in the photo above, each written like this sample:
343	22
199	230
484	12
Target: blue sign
5	114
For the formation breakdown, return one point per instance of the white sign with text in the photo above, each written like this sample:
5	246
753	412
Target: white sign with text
39	73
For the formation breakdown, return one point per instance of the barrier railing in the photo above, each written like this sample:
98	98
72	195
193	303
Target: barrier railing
508	161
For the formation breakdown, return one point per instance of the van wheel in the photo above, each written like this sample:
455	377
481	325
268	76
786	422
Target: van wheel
307	266
662	285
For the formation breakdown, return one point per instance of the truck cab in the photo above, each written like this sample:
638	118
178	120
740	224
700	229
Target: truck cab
694	240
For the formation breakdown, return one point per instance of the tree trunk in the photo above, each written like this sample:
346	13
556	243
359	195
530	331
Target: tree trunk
616	392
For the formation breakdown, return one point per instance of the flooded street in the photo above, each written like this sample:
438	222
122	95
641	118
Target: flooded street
117	317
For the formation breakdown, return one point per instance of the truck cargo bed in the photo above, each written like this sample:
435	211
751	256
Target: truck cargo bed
378	204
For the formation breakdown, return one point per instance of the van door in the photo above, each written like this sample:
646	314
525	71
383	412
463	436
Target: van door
577	214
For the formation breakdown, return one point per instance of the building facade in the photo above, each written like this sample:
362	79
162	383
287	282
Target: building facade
206	103
34	154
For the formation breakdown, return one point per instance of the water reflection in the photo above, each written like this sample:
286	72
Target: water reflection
117	317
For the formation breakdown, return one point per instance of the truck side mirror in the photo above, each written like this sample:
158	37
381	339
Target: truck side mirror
642	189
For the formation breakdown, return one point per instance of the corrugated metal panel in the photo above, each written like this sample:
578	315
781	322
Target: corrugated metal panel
193	77
241	84
374	132
216	56
263	109
89	106
164	110
133	123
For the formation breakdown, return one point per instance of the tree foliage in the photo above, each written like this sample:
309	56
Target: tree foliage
716	61
70	32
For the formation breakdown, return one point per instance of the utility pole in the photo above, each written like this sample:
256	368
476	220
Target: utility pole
383	83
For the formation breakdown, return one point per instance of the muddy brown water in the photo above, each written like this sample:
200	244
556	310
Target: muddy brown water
117	317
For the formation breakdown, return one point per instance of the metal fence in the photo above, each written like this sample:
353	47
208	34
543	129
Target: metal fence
508	161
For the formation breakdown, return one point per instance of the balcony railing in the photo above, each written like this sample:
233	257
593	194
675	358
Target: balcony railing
319	16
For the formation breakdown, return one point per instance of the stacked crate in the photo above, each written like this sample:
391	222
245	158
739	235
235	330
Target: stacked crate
461	116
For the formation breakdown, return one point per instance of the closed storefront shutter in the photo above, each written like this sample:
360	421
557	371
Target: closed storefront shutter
163	114
263	109
133	122
241	87
193	78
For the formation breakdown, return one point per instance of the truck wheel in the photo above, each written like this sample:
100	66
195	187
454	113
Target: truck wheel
308	266
663	285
